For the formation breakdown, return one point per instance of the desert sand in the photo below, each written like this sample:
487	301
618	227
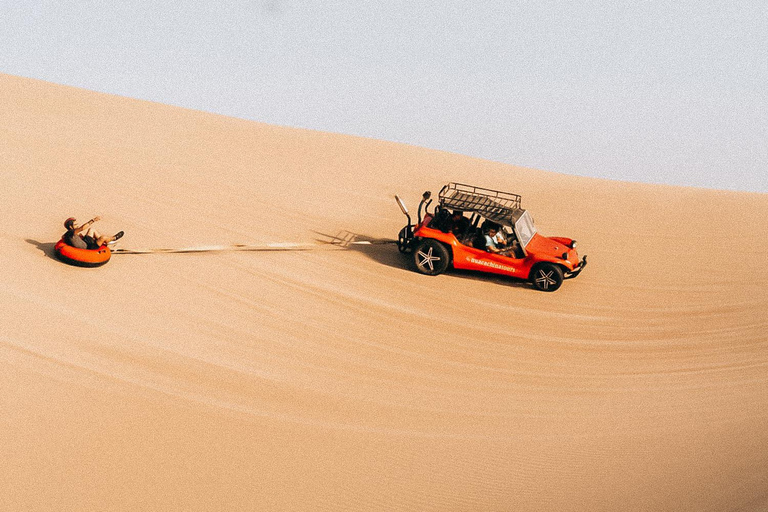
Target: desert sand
336	378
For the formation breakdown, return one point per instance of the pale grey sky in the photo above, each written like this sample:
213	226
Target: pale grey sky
656	91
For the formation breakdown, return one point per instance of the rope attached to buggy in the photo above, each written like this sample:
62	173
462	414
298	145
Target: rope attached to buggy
330	242
220	248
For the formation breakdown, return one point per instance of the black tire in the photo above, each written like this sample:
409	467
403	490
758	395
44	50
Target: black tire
431	258
405	239
547	277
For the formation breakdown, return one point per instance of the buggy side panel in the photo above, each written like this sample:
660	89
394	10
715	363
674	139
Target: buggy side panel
471	258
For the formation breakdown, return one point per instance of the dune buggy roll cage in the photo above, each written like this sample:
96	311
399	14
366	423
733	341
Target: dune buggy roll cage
501	207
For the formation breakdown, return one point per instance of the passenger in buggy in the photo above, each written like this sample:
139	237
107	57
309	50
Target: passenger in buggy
441	220
451	222
496	242
459	225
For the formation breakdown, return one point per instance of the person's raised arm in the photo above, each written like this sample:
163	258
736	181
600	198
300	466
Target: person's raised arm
79	229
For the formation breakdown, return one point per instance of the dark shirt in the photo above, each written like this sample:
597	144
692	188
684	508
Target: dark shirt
460	226
70	238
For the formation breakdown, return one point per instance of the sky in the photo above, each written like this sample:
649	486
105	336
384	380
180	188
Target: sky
669	92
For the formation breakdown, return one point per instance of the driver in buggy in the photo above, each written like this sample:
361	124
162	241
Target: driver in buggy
496	242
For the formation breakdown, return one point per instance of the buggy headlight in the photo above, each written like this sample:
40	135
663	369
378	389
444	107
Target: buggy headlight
573	244
564	256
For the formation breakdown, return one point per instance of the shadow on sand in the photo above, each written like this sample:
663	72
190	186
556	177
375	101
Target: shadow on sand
384	251
45	247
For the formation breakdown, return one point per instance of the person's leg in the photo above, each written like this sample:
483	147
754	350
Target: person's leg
91	233
97	239
102	240
92	238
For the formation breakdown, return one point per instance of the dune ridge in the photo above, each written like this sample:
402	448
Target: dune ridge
335	378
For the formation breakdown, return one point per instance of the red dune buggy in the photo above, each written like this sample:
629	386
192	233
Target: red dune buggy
457	234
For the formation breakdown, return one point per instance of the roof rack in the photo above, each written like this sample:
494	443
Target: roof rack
501	207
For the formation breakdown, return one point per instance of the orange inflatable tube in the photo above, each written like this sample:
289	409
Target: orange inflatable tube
82	257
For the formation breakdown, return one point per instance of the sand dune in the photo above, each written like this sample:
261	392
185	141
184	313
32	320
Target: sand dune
335	378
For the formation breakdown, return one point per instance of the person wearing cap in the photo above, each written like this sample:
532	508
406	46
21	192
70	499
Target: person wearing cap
84	236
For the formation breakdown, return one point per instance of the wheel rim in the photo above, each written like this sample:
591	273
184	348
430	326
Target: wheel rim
545	278
427	259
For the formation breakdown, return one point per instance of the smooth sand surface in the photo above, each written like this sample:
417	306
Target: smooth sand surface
337	378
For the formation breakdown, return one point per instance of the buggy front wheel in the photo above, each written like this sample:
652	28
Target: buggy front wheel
547	277
431	258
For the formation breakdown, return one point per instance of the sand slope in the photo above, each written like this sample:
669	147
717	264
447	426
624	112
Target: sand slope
337	379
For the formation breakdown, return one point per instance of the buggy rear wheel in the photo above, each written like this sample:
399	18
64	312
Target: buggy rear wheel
431	258
547	277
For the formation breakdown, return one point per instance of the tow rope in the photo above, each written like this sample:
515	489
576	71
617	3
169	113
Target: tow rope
333	243
221	248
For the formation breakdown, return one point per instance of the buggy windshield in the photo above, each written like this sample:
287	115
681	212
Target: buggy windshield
524	228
